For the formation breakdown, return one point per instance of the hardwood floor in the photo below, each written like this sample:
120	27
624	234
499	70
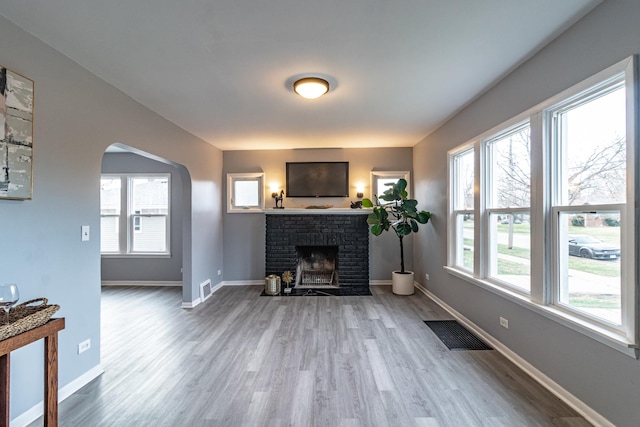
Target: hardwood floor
244	360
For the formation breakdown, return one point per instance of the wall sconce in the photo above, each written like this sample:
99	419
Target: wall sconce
360	191
278	198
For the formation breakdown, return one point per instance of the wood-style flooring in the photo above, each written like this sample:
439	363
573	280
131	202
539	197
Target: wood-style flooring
240	359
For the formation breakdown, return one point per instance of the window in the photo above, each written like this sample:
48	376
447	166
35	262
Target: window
541	208
508	191
462	201
110	208
245	192
380	181
589	155
134	214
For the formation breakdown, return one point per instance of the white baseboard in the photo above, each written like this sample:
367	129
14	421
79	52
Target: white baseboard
243	283
379	282
564	395
37	410
139	283
197	301
191	304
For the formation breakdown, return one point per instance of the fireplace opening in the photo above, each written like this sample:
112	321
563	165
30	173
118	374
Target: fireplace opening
316	267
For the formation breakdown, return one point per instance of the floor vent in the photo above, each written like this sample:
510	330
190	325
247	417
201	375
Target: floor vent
455	336
205	290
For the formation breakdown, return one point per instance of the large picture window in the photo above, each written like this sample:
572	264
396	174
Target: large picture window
541	207
134	214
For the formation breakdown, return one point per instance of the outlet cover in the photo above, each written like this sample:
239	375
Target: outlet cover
84	346
504	323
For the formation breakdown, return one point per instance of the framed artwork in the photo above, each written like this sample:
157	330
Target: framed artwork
16	135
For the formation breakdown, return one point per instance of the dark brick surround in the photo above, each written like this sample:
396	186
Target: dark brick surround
349	232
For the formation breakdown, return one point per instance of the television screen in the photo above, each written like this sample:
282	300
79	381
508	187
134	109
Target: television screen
317	179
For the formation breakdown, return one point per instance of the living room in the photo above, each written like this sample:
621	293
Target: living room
78	115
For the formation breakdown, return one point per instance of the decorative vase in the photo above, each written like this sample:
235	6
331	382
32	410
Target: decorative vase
272	285
402	283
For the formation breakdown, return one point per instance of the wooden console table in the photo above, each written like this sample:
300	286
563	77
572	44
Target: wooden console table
48	331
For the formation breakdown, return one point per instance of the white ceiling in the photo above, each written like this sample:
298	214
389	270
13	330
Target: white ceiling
223	69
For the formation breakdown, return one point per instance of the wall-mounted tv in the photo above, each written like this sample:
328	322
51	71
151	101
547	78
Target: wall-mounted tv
317	179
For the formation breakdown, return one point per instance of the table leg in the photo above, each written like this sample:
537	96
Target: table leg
51	380
4	389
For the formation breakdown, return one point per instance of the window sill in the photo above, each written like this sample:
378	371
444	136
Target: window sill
593	331
140	255
245	210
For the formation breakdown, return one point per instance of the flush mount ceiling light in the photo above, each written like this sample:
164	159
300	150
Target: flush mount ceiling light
311	87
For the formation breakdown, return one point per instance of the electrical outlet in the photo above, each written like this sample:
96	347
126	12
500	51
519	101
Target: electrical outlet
504	323
219	272
84	346
426	276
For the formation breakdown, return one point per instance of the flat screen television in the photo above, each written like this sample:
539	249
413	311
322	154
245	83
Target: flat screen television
317	179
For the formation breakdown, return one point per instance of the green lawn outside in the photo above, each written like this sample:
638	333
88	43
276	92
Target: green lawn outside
607	234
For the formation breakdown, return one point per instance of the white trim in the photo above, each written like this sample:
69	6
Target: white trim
243	283
139	283
215	288
255	176
380	282
579	406
191	304
36	411
376	175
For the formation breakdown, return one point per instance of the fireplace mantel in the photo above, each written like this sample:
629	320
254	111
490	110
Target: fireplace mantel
330	211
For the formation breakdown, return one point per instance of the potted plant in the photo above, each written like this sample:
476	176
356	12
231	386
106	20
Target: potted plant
399	213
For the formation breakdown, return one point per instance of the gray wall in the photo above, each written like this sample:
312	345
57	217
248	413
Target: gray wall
244	232
605	379
77	116
147	268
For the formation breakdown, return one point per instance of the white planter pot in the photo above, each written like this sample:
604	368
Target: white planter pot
402	283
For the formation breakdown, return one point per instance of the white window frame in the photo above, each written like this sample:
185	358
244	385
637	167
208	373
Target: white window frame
232	178
126	221
580	94
395	175
489	254
543	214
456	252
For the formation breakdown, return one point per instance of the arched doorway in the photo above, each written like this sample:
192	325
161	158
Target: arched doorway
123	261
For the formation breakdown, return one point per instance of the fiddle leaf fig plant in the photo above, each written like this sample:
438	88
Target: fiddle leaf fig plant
396	212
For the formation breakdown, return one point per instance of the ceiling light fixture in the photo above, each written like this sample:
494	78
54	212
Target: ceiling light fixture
311	87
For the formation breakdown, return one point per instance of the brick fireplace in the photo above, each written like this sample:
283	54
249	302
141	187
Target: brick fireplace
335	243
